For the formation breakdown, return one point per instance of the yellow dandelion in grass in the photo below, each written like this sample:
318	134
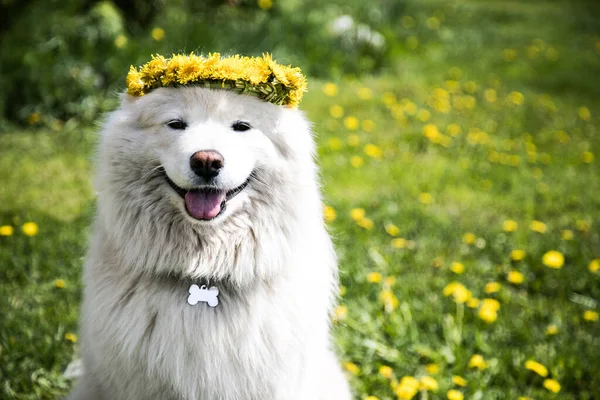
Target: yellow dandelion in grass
265	4
368	125
536	367
454	394
399	243
336	111
455	73
410	107
516	98
469	238
365	223
407	388
330	89
492	287
388	99
509	54
335	143
584	113
374	277
432	368
340	313
594	265
490	95
515	277
425	198
365	93
488	311
552	385
373	151
590	315
429	383
158	34
583	225
510	226
386	371
33	118
59	284
551	330
473	302
357	214
567	234
342	290
353	140
423	115
457	267
524	398
389	281
121	41
372	398
351	367
351	123
71	337
458	291
553	259
392	229
470	87
6	230
477	361
454	130
356	161
517	255
459	381
587	157
389	300
538	226
329	213
30	229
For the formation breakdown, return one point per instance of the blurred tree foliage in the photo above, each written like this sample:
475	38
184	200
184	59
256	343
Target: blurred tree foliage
67	58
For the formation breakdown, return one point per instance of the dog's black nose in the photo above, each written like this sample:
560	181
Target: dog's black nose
207	163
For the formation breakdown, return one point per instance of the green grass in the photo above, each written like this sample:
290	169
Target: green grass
473	186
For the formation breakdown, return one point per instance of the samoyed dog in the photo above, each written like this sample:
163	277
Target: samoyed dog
210	274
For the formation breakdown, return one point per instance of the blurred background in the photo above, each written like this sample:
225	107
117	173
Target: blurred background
458	142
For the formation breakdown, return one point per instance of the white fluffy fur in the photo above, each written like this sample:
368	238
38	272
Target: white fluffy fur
269	254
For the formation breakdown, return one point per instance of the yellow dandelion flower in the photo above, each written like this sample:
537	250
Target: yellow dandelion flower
351	367
374	277
340	313
488	311
351	123
33	118
423	115
516	98
264	4
551	330
459	381
510	226
552	385
353	140
454	130
71	337
587	157
389	281
492	304
357	214
134	82
425	198
457	267
553	259
330	89
407	388
584	113
335	143
365	223
509	54
368	125
365	93
517	255
536	367
121	41
329	213
567	234
336	111
356	161
392	229
473	302
594	265
373	151
389	300
477	361
399	243
6	230
388	99
538	226
454	395
469	238
372	398
490	95
30	229
590	315
492	287
515	277
158	34
432	368
386	371
458	291
59	284
428	383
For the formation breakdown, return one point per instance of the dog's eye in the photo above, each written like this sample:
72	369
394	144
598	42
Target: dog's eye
241	126
177	124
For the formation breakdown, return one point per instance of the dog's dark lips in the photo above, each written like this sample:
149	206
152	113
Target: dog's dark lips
228	195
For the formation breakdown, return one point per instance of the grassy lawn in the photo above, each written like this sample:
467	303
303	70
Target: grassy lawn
462	190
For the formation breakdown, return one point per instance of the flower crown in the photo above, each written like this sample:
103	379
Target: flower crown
258	76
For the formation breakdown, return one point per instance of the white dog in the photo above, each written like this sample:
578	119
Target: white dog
210	274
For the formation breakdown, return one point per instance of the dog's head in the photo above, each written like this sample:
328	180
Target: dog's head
188	164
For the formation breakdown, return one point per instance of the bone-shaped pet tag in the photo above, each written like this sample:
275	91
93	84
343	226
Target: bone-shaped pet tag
198	294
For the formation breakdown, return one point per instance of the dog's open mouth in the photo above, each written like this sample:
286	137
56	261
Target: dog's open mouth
206	203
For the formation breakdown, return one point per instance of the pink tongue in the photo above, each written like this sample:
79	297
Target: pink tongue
202	204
